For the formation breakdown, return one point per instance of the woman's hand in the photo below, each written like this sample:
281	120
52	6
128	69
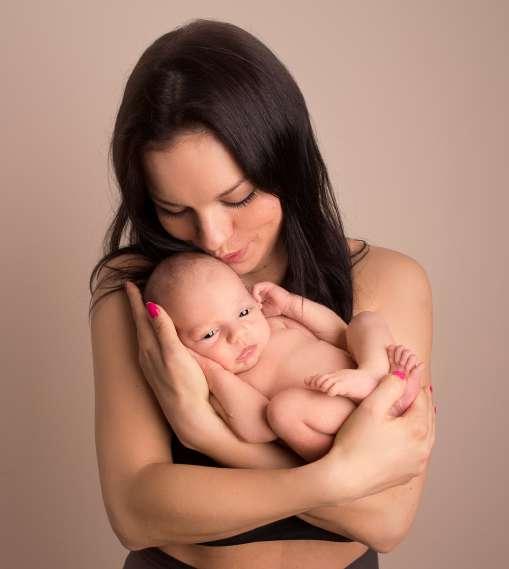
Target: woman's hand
275	300
206	364
168	366
373	450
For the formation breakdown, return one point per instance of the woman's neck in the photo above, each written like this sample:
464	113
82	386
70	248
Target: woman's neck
273	269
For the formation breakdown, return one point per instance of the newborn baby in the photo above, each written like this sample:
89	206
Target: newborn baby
275	362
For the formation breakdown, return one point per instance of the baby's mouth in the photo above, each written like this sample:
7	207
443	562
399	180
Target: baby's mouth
247	352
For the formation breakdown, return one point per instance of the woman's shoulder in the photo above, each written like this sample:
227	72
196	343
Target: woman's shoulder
381	260
112	273
383	273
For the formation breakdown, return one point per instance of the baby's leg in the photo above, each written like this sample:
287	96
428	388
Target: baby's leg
367	338
306	420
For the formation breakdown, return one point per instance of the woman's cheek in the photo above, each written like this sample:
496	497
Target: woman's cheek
177	229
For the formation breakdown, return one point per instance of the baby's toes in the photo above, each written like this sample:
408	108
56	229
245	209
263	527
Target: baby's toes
398	353
324	381
390	354
410	363
404	357
328	384
310	380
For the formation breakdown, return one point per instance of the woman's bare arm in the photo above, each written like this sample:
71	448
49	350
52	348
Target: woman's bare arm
402	295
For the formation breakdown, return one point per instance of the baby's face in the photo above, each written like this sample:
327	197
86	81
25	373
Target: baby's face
219	319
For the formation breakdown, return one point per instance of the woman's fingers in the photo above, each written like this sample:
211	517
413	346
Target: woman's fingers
143	328
433	421
383	397
422	422
165	331
159	326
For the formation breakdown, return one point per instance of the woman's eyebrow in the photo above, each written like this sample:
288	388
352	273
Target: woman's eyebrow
225	193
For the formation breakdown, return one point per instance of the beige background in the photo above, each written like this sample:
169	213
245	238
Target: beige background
409	100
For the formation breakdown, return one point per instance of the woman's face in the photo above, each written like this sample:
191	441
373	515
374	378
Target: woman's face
202	197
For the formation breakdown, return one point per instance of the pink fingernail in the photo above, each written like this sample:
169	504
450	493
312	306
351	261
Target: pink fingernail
399	373
152	309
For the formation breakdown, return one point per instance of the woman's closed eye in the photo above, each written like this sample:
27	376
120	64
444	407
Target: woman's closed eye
242	203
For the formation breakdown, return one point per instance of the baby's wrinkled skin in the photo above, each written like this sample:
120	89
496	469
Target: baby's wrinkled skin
267	394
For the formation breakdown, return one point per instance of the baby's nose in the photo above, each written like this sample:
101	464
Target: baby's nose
238	334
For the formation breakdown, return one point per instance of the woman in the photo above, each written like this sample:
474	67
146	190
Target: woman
214	152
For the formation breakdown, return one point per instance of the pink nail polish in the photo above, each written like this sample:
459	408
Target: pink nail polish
399	373
152	309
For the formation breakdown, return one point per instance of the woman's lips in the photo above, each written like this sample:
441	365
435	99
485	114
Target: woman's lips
234	257
247	353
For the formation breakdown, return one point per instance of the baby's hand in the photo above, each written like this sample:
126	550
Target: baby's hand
274	299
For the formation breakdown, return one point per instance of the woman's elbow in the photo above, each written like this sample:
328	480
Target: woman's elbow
124	531
389	542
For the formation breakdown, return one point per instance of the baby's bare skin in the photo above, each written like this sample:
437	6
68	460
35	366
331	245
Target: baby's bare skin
291	356
298	412
307	370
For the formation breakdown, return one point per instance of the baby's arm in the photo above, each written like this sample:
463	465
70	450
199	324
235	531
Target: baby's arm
317	318
320	319
242	407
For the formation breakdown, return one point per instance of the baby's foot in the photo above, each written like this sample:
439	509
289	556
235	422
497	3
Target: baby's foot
403	361
356	384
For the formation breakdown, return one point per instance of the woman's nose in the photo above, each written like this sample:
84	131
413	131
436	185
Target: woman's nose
213	230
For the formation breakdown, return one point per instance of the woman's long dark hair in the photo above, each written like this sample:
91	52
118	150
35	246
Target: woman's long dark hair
216	77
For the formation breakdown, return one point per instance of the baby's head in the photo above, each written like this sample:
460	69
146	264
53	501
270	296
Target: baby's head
213	312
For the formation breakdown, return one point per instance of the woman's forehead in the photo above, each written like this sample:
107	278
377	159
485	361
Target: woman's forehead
196	167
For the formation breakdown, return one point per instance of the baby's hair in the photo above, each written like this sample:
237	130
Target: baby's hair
176	270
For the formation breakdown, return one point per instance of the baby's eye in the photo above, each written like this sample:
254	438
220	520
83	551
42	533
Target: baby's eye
245	312
207	336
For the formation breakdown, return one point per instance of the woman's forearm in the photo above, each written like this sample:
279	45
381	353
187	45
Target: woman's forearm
374	520
180	503
381	520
